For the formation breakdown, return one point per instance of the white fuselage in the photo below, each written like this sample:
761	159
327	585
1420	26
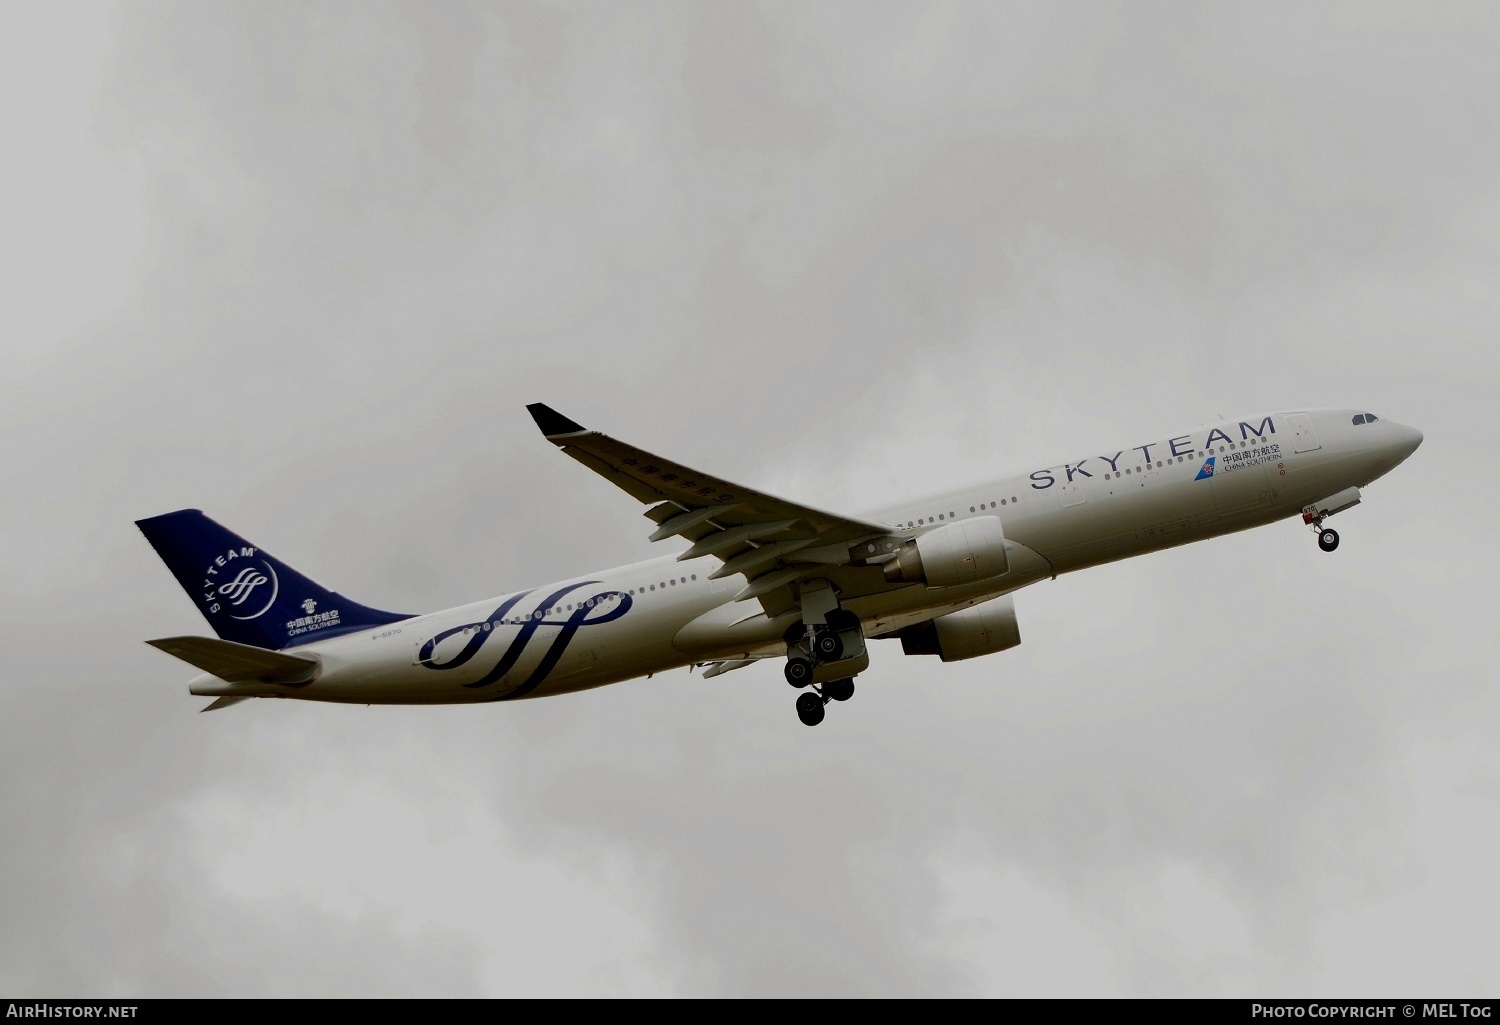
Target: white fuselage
662	614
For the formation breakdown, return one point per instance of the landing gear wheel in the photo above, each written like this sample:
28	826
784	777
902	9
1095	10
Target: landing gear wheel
799	672
1328	539
839	690
828	646
810	709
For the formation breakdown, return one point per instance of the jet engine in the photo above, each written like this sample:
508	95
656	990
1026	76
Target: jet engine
968	633
959	553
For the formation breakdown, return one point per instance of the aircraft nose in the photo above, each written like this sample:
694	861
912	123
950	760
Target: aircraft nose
1406	441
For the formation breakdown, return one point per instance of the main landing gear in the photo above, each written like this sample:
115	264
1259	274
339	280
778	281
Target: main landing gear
810	705
825	657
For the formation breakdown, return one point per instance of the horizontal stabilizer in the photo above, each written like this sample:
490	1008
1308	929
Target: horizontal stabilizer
225	702
239	663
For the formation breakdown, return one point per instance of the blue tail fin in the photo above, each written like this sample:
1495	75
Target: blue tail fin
247	595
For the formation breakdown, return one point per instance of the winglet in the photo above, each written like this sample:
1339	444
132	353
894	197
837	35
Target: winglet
551	421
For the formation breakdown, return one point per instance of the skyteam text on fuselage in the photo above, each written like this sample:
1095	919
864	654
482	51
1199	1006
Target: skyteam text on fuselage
764	578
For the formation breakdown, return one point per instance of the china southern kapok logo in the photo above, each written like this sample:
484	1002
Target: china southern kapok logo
1207	471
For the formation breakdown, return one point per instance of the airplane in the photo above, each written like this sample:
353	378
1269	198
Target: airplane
762	577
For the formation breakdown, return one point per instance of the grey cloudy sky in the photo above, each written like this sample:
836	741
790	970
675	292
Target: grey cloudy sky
302	266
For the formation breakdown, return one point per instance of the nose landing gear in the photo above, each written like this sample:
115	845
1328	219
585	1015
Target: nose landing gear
1314	515
1328	538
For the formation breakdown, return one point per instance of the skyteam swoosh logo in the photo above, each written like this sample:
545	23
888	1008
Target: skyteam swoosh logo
248	587
1208	469
238	589
601	608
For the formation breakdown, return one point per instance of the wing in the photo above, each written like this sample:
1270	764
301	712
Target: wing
775	544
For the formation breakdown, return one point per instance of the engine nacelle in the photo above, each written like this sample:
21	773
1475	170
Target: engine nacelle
968	633
959	553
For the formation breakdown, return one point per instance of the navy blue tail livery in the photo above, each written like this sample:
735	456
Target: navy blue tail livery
246	595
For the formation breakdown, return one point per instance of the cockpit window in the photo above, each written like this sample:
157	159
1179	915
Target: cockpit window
1359	418
1364	418
1371	418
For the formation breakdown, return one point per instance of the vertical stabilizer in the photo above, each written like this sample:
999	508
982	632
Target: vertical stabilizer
246	594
